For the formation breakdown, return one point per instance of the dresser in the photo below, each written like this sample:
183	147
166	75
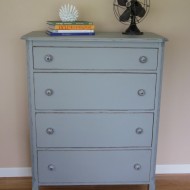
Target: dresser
94	106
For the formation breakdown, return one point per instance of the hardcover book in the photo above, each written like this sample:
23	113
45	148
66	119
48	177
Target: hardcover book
71	31
70	23
71	34
72	27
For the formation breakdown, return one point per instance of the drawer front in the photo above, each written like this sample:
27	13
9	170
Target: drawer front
91	167
95	58
94	130
89	91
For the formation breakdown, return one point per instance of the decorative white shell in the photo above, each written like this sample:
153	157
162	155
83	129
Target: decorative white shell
68	13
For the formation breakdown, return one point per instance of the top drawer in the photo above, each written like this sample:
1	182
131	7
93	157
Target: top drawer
94	58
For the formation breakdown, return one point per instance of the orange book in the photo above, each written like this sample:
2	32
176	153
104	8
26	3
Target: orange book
72	27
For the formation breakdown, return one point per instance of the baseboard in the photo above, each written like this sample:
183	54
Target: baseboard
15	172
173	169
160	169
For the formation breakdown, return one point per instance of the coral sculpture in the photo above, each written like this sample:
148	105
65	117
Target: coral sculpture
68	13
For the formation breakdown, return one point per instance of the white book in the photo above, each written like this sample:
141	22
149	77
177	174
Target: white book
71	31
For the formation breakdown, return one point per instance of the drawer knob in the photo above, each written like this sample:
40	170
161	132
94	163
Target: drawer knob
139	131
51	167
137	166
49	131
48	58
143	59
141	92
49	92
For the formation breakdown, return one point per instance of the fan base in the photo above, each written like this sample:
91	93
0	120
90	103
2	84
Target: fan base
132	33
133	30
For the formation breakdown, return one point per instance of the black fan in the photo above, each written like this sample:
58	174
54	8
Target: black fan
131	11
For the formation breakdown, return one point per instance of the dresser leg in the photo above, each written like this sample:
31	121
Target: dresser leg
152	186
35	186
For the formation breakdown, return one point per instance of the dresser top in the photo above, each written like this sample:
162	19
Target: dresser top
99	36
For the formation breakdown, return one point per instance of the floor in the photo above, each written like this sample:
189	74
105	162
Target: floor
163	182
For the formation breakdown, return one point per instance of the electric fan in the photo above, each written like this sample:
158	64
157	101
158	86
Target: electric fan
131	12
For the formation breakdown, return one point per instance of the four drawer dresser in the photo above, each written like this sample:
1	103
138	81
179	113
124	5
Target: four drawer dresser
94	108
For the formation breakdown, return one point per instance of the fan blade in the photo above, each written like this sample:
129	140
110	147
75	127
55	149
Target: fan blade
142	12
138	9
125	16
122	2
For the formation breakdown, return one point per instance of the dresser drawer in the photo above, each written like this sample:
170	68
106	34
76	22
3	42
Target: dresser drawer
95	58
94	129
88	167
90	91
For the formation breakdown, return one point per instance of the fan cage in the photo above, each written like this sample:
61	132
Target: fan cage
118	10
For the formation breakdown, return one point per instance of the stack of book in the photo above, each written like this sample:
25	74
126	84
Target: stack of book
75	28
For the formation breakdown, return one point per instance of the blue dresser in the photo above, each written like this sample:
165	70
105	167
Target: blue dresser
94	108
